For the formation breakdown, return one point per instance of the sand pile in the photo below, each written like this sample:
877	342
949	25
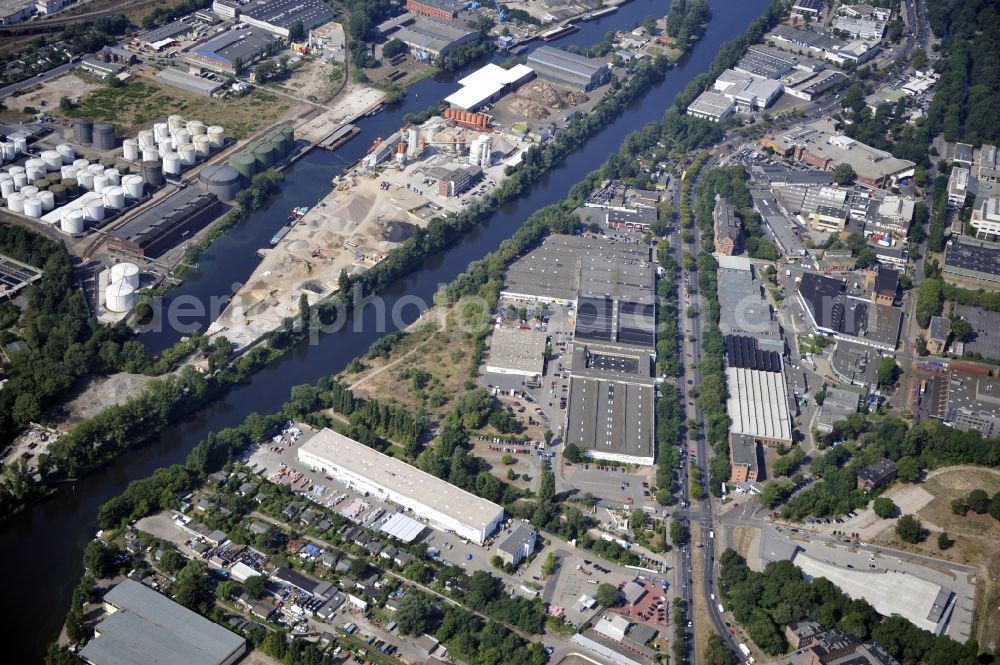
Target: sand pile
574	98
529	109
542	93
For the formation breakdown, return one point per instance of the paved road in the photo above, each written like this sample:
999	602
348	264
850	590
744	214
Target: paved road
34	80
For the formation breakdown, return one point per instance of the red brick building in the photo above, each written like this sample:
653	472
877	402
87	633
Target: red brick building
444	10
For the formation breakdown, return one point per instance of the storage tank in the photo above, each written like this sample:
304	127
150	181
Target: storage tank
223	181
245	165
20	146
83	130
119	296
72	222
216	136
67	152
161	131
150	154
277	142
175	122
104	136
35	163
126	272
114	198
15	202
33	173
48	200
86	179
72	186
7	151
54	177
130	149
264	155
100	183
95	169
195	128
29	191
181	137
152	173
413	141
39	185
69	171
147	139
132	184
32	207
187	154
202	146
171	163
103	279
7	187
58	193
20	179
14	170
113	176
81	164
93	210
165	146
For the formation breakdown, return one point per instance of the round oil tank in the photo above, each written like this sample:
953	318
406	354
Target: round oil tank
132	184
20	179
187	154
245	165
195	128
130	149
54	177
289	133
14	170
161	131
223	181
86	180
164	147
29	190
104	136
69	171
7	151
72	186
20	146
152	173
95	169
36	163
216	136
32	207
119	296
67	151
126	272
202	146
103	279
277	141
39	185
58	193
33	173
83	130
175	122
48	200
150	154
114	198
15	202
7	188
101	183
171	163
113	176
264	156
146	138
72	222
93	210
181	137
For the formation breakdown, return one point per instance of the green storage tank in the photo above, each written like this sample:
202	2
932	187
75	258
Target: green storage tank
278	142
54	177
108	162
289	133
58	194
41	184
264	154
245	164
72	187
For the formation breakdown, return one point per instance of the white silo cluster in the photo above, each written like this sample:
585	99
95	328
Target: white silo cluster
176	144
481	151
118	286
12	147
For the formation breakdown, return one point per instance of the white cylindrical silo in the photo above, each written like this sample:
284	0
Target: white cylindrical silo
181	137
15	202
165	146
33	162
113	176
150	154
202	146
93	210
67	152
171	163
48	201
161	131
216	136
53	159
21	146
100	183
29	190
187	154
85	180
69	171
147	139
81	164
126	272
14	170
20	179
72	222
413	141
96	169
114	198
119	296
32	207
132	184
130	149
7	187
33	173
175	122
7	151
195	127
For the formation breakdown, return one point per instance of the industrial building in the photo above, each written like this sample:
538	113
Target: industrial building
743	310
443	10
876	475
758	405
985	339
743	465
612	420
365	469
167	224
837	405
985	218
807	8
144	627
569	69
972	402
971	261
766	62
516	351
748	92
99	68
186	81
159	38
832	311
231	51
728	228
276	16
518	545
429	37
488	84
452	179
958	186
712	106
15	11
860	28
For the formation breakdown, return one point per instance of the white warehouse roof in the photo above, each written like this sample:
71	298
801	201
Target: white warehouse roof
402	527
486	82
758	403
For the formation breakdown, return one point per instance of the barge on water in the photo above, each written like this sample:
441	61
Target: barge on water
557	33
293	218
590	16
340	137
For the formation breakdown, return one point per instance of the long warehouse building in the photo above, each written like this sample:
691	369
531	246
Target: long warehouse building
442	504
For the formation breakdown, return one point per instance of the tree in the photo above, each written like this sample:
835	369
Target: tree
359	568
844	174
978	501
887	370
414	614
717	653
884	507
255	585
192	588
943	541
496	561
572	453
607	595
959	507
550	563
297	32
171	561
995	506
961	330
393	48
99	558
909	529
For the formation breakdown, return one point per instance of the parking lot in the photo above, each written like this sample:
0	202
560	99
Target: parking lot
576	577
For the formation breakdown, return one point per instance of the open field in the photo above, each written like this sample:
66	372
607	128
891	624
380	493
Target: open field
702	623
46	96
142	101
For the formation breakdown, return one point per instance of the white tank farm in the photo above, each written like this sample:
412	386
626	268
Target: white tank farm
119	296
20	146
216	136
20	179
67	152
53	159
93	210
196	127
86	180
181	137
81	164
7	187
7	151
126	272
165	146
132	184
187	154
96	169
48	200
14	170
114	197
150	154
69	171
33	162
202	146
113	176
172	163
147	139
130	149
161	131
32	207
100	183
33	173
29	190
175	122
72	222
15	202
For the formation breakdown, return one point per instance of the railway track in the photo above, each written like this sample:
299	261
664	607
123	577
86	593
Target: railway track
58	23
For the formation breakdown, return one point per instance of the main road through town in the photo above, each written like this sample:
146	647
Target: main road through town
41	549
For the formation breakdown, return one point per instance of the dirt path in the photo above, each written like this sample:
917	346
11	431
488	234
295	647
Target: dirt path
389	365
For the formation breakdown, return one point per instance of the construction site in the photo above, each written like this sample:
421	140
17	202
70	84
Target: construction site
404	181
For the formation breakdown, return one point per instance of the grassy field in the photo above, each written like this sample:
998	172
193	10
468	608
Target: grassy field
142	101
